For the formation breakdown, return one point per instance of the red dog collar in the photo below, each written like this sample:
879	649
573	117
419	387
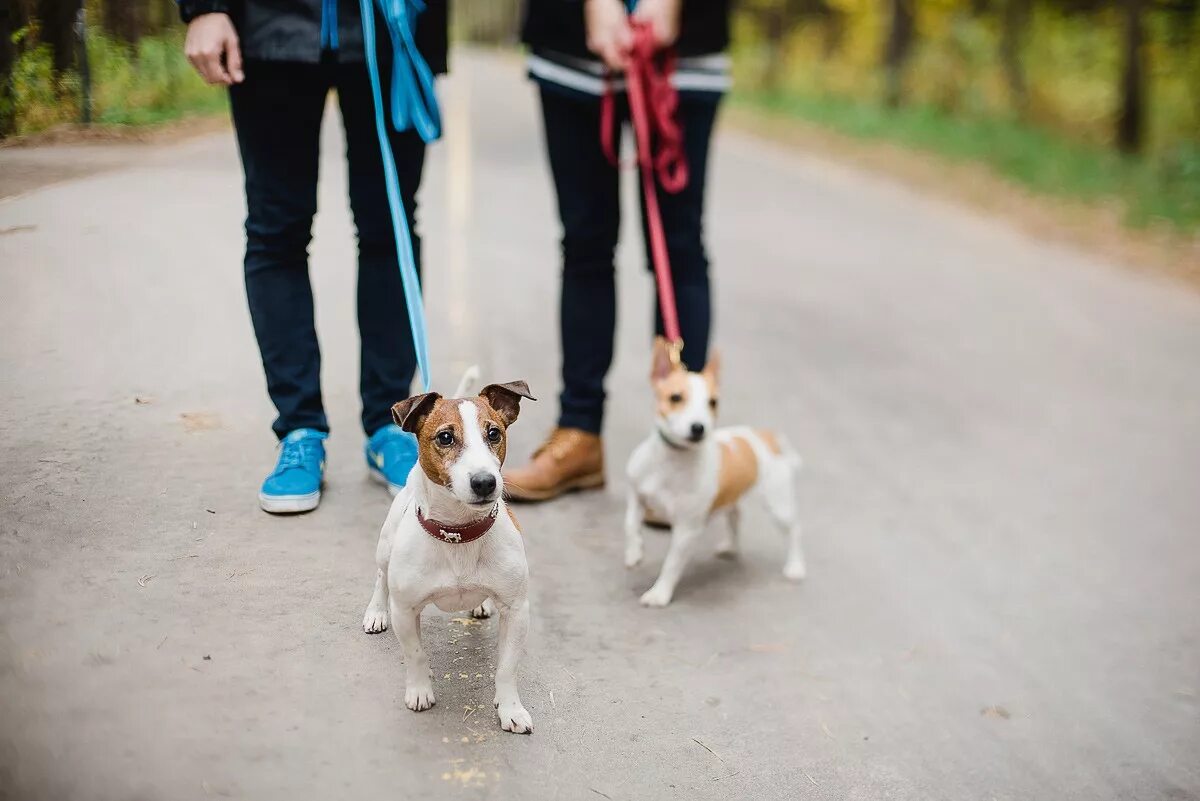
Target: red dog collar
457	535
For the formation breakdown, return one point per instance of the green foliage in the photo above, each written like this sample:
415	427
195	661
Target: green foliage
1165	188
131	85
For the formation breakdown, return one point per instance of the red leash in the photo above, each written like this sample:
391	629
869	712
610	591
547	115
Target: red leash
653	102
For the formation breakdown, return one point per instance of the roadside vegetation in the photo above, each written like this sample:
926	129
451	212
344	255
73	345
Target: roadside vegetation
1089	100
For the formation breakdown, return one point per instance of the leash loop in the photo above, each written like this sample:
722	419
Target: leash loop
662	161
414	106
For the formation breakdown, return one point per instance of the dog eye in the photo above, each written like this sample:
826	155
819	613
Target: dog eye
712	404
676	398
444	438
493	434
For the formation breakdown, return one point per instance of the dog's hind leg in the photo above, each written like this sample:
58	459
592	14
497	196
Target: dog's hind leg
727	547
514	628
485	609
683	538
781	503
375	619
418	686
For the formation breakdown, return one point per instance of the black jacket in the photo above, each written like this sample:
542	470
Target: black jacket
558	25
292	30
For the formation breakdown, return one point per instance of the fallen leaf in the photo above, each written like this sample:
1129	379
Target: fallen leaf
995	712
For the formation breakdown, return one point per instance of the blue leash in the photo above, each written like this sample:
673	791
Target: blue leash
414	105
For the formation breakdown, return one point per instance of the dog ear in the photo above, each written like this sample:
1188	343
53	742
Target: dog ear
506	398
409	412
660	365
712	370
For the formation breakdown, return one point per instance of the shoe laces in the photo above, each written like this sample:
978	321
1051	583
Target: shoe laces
295	453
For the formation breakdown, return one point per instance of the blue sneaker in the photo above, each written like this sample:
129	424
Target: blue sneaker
391	453
295	484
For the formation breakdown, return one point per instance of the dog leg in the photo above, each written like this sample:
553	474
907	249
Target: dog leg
683	538
782	506
485	609
514	628
376	618
634	513
727	548
418	686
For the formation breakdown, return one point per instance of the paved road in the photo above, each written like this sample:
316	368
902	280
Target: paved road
1002	441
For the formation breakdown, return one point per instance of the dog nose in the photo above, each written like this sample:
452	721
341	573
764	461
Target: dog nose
697	432
483	484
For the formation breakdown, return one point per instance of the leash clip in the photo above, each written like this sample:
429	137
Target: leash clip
674	352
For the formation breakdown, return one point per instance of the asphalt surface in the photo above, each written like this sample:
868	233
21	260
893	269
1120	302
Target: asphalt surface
1002	500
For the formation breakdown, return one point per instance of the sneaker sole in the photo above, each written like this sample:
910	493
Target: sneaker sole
289	504
379	478
590	481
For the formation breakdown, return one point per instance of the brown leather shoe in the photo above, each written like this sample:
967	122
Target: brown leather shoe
570	459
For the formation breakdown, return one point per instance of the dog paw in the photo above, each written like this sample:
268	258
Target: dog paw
419	697
375	620
633	556
726	550
795	570
514	718
485	609
656	597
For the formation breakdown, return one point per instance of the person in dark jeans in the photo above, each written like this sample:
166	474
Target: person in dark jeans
572	45
280	59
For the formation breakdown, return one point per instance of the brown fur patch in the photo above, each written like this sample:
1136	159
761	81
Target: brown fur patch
739	471
674	385
513	518
436	459
770	440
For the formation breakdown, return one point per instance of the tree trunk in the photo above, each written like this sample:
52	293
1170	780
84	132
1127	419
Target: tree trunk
124	20
899	43
1130	121
57	21
775	32
1015	17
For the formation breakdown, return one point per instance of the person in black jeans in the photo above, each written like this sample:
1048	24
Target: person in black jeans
572	45
280	59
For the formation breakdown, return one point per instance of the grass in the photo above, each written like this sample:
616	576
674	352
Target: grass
1158	190
148	84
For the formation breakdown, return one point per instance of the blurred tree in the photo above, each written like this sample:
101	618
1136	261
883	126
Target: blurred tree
1014	19
896	51
125	20
56	28
1133	83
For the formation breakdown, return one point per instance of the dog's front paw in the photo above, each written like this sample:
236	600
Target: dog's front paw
633	555
419	697
656	596
795	570
514	718
484	610
375	620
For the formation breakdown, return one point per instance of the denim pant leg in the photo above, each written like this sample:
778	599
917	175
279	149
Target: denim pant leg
683	225
388	359
277	116
586	185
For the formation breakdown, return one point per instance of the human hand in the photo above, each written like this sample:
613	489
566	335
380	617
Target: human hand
608	32
212	48
663	18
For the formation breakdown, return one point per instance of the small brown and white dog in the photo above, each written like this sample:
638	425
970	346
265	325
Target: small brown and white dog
688	472
450	540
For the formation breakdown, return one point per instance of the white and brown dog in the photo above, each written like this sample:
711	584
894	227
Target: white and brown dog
688	472
450	540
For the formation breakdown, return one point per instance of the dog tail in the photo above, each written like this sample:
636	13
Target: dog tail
466	384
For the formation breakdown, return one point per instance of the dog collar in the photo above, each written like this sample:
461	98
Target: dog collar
458	534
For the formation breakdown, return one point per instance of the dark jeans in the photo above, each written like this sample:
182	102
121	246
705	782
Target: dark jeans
277	113
589	207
